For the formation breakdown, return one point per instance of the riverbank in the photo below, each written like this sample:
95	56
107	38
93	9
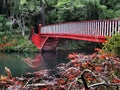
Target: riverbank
16	43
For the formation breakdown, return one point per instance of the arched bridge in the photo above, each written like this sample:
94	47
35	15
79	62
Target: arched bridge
94	31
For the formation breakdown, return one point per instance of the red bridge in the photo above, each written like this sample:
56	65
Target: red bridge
95	31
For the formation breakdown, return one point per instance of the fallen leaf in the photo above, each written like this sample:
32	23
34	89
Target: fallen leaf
98	68
116	80
8	72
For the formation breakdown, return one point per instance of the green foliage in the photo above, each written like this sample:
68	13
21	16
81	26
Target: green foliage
22	14
67	10
117	14
76	10
3	26
68	44
15	42
1	22
31	6
113	8
23	44
22	2
112	45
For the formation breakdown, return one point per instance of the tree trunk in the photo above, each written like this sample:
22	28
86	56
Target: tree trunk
42	12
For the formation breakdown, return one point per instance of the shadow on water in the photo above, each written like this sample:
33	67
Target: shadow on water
20	63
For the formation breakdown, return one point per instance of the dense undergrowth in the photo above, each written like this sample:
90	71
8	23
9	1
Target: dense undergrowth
68	44
112	45
15	43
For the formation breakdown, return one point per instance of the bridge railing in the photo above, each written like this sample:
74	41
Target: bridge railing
94	27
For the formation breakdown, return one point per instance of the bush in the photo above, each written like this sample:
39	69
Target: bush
112	45
16	43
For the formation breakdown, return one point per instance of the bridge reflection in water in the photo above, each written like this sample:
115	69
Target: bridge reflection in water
46	60
20	63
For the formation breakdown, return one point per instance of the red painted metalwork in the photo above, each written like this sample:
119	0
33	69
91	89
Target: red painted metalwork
35	38
38	40
94	31
100	39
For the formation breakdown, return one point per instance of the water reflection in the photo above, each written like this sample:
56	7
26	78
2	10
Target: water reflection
45	61
35	63
13	62
19	63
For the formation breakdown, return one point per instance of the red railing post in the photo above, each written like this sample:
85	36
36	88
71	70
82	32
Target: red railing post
36	38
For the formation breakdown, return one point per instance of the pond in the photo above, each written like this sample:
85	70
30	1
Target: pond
20	63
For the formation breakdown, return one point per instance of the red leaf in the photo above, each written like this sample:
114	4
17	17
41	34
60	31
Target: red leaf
74	61
61	81
103	56
45	88
77	65
89	79
74	55
116	80
98	68
97	49
94	55
86	64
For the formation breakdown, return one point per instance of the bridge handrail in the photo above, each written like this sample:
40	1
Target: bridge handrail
93	27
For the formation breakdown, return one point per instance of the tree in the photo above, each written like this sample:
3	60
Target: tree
113	8
21	14
69	10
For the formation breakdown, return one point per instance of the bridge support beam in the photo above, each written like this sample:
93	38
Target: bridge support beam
43	42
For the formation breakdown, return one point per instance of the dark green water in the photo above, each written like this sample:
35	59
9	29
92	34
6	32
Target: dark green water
18	66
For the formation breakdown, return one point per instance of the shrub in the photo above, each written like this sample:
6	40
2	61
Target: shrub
112	45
